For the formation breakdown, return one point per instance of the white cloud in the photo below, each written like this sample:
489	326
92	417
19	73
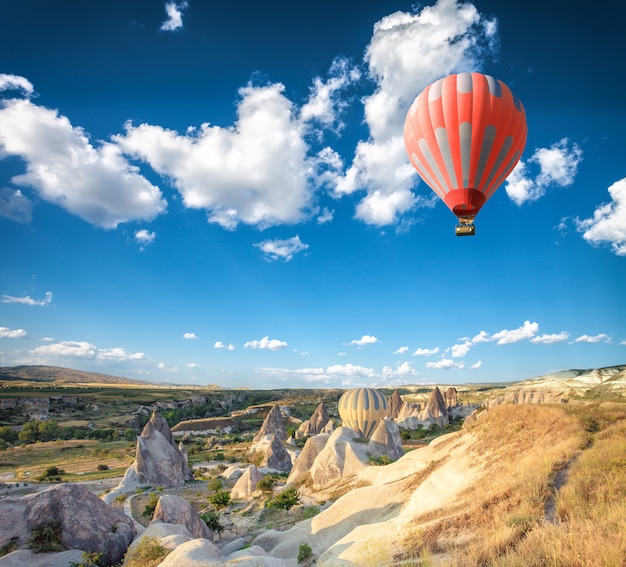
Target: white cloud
192	365
558	166
27	300
444	363
15	82
266	343
481	337
477	364
402	350
447	37
326	215
174	16
190	336
144	237
15	206
350	370
221	345
281	249
95	183
549	339
403	370
364	340
601	338
527	331
608	223
6	333
426	351
255	172
460	350
83	349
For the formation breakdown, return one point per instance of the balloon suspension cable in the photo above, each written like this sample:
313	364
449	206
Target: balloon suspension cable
466	226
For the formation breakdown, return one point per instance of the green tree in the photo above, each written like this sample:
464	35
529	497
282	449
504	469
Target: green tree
8	434
266	484
220	499
286	500
29	433
130	434
215	484
212	520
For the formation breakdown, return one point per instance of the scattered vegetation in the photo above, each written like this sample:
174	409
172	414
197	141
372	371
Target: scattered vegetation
285	500
304	552
88	560
9	547
148	553
212	520
220	499
150	507
46	538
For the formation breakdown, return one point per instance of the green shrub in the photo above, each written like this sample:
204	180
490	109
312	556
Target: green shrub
148	553
45	538
212	520
150	507
88	560
9	547
103	467
220	499
304	552
286	500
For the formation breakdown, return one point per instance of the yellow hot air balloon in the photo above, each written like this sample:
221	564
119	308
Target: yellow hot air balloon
362	409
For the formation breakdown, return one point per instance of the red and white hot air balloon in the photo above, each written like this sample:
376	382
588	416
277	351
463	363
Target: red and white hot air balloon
464	134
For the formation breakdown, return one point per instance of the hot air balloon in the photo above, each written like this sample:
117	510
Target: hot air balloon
362	409
464	134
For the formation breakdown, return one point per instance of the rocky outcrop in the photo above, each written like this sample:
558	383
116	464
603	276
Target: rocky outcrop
277	457
158	460
302	466
245	487
530	397
86	522
172	509
411	416
450	398
395	403
272	425
315	424
194	553
386	440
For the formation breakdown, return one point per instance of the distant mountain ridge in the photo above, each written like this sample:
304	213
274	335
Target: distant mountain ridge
59	375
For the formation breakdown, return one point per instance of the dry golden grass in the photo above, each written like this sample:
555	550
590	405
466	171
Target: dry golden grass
537	460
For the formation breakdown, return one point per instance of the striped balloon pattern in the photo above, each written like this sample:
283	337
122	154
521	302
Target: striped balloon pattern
362	409
464	134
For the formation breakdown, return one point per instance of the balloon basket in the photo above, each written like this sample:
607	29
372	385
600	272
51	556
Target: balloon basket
465	230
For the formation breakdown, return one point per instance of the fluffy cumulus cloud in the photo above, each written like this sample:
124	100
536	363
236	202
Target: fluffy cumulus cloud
144	237
15	205
447	37
401	350
281	249
425	351
445	363
6	333
608	224
28	300
601	338
266	343
257	172
84	350
364	340
508	336
15	83
557	165
550	338
223	346
174	16
190	336
96	183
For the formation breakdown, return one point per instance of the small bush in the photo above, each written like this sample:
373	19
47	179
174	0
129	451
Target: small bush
220	499
9	547
212	520
150	507
148	553
304	552
103	467
88	560
46	538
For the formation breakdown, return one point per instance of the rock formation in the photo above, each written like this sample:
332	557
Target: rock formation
395	403
86	523
158	460
277	457
172	509
272	425
411	416
302	466
450	398
245	487
386	440
315	424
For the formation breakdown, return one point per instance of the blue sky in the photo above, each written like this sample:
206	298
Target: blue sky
218	193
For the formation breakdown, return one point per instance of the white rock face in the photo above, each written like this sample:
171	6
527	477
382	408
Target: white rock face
194	553
245	488
176	510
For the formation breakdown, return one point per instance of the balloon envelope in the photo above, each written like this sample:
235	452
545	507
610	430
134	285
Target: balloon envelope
464	134
362	409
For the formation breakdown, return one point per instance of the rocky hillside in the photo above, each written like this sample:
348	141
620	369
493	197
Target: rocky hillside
34	375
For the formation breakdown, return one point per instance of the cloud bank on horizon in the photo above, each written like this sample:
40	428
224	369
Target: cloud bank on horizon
270	167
